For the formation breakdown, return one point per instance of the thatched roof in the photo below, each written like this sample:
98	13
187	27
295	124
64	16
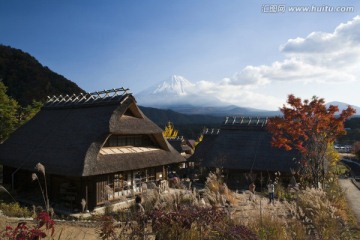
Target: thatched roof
67	135
179	143
243	144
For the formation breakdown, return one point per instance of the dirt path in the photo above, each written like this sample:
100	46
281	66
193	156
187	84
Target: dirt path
353	196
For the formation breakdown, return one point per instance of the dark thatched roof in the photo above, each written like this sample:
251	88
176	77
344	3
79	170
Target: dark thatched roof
179	143
243	146
66	137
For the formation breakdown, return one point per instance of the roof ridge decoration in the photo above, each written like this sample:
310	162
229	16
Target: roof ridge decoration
211	131
81	99
243	121
176	138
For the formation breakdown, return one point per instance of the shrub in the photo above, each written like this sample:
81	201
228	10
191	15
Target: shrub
23	232
186	222
14	210
109	208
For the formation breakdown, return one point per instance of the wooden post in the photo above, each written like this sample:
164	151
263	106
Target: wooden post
86	196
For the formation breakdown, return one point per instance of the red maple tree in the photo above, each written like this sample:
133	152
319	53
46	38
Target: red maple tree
309	127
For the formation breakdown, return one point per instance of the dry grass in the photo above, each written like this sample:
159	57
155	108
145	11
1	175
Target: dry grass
68	232
271	227
309	214
216	191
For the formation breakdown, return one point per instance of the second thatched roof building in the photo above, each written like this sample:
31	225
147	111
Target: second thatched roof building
242	148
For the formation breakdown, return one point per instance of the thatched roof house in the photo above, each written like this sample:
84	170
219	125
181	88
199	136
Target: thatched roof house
89	142
180	144
243	145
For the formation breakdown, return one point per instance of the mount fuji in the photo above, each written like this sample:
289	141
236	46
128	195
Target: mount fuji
179	94
174	91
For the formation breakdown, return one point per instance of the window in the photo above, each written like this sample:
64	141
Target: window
119	141
133	111
128	112
112	141
130	140
118	182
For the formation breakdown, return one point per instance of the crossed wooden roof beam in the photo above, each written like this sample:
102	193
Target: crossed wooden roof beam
86	98
246	120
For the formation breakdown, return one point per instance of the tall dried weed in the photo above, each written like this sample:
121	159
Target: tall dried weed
216	191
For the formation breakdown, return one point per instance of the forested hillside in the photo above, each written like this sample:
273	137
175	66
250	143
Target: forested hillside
162	116
353	123
189	126
352	126
27	80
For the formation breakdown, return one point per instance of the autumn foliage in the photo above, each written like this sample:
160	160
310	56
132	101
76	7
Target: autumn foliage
170	131
183	222
24	232
308	126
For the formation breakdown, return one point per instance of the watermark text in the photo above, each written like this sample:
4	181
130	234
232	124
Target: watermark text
282	8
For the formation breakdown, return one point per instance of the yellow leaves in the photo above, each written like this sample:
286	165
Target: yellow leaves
199	139
170	131
332	155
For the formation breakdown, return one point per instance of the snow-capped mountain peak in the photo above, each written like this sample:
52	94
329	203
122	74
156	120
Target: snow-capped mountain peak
176	90
177	85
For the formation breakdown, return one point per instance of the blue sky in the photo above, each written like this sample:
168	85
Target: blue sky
252	57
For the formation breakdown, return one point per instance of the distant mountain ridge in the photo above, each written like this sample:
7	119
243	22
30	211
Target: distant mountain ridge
162	116
180	95
26	79
188	125
230	110
342	106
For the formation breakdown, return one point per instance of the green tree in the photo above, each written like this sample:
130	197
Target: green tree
28	112
8	113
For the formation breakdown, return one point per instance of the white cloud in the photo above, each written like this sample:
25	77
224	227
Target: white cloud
239	95
250	75
248	98
291	69
315	42
344	37
320	57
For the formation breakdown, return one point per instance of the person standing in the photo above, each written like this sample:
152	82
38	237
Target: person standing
271	190
140	209
252	187
252	191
